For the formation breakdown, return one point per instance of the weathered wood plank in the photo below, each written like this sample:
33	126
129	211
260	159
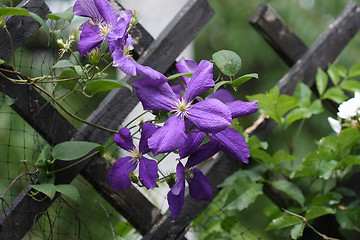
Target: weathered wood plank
321	53
348	23
21	27
279	36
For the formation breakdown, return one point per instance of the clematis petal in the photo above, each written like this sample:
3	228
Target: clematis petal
175	203
240	109
201	80
199	186
118	175
86	8
89	39
147	130
118	32
185	66
124	140
203	153
106	11
169	137
223	95
192	142
210	115
155	95
148	172
180	180
233	144
177	89
334	124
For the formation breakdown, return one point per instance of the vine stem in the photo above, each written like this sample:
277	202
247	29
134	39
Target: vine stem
312	228
11	45
69	113
108	216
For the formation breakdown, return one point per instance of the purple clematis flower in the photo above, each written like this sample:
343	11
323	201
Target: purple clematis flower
209	116
199	188
106	23
119	174
230	141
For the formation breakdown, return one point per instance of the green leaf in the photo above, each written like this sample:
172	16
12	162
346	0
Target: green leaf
341	70
106	85
354	71
334	74
74	149
66	15
290	189
240	80
63	64
317	211
296	114
122	229
283	221
297	230
281	156
227	61
69	191
48	189
335	94
44	155
348	138
241	197
5	99
219	84
188	75
2	61
8	11
350	85
326	199
348	218
321	81
303	94
326	168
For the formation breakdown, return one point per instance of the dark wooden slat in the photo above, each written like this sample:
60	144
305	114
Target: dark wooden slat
321	53
21	27
279	36
318	55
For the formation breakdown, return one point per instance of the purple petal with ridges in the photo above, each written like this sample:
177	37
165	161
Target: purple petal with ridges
89	39
180	179
147	130
204	152
201	80
169	137
199	186
148	172
118	32
185	66
124	140
223	95
233	144
86	8
118	175
210	115
178	89
106	11
240	109
175	203
154	95
192	142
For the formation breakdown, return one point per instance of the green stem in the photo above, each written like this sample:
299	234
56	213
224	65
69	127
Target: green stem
69	113
139	116
78	61
12	46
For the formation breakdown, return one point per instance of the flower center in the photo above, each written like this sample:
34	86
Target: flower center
104	29
182	107
189	174
135	154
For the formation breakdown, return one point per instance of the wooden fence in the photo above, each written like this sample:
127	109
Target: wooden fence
159	54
